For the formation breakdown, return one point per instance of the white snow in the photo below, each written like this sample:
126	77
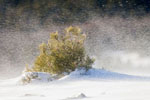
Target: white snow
100	74
79	85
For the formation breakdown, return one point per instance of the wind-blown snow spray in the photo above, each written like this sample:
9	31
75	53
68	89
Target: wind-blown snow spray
118	44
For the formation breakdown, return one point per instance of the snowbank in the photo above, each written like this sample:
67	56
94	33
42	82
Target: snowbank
79	74
101	74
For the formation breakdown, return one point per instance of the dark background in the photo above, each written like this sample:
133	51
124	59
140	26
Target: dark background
66	11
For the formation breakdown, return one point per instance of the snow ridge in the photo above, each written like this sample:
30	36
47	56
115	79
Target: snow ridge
101	74
79	74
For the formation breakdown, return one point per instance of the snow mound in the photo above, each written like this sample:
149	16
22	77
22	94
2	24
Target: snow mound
79	74
77	97
101	74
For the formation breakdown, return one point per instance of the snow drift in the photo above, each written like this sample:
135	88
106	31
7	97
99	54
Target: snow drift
99	74
94	84
79	74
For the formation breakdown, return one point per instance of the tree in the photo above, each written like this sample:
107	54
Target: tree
63	53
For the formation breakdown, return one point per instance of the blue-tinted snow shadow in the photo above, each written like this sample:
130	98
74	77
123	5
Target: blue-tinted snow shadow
101	74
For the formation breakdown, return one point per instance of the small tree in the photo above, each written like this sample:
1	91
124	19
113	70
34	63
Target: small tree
63	53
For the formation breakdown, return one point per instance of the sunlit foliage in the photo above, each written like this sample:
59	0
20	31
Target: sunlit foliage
63	53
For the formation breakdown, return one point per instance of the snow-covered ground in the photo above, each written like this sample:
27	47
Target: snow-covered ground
93	85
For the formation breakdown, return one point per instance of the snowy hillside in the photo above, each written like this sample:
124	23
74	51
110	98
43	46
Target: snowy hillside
92	85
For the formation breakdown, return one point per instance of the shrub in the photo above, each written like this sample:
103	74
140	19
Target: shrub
63	53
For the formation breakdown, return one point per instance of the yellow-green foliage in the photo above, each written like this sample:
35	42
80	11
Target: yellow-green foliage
63	53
